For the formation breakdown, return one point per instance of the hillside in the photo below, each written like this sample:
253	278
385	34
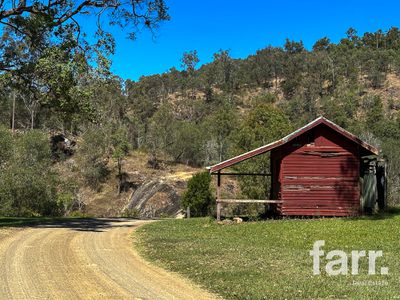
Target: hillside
168	182
162	187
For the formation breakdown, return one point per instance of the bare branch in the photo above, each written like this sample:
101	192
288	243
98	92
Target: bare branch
60	14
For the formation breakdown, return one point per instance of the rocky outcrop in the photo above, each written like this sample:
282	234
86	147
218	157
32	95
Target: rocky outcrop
155	198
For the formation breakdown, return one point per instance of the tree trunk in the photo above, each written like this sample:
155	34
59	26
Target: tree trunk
13	114
32	118
119	176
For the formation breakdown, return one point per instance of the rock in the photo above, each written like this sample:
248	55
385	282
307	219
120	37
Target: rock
225	222
180	215
237	220
155	198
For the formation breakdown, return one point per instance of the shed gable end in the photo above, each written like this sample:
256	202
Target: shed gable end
320	176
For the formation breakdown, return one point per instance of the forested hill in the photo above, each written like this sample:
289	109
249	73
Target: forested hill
202	115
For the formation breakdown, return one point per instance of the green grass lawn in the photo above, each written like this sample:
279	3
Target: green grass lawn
271	260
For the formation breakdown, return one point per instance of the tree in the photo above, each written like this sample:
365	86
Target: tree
263	124
198	196
188	143
390	149
58	75
161	132
352	37
376	65
322	44
293	47
28	186
393	38
189	61
293	67
225	67
50	59
375	116
120	148
261	67
47	76
29	19
94	155
220	125
341	107
6	146
143	97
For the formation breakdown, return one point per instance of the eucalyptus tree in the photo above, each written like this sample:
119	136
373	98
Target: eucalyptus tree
189	62
51	59
60	19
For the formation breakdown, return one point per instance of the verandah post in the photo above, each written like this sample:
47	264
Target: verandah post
218	196
188	212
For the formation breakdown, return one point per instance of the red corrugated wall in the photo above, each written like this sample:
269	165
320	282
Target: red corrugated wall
319	175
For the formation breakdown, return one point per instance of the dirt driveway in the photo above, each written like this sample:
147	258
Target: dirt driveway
83	259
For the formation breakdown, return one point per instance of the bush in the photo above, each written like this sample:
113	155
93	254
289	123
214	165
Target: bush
187	144
27	182
6	143
131	213
262	125
198	196
94	153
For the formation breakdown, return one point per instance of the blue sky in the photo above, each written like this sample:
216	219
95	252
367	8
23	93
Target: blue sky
244	27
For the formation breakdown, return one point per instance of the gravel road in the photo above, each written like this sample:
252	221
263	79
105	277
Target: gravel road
83	259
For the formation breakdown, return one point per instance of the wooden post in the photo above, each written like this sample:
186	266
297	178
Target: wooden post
218	196
188	212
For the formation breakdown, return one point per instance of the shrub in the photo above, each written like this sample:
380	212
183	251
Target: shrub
94	153
131	213
6	143
262	125
27	182
198	196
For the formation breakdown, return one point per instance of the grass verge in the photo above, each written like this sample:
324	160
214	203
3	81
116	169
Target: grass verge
271	259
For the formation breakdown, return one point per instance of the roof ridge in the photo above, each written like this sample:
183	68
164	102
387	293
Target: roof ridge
290	136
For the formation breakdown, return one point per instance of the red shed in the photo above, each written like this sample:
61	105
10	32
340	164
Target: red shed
315	171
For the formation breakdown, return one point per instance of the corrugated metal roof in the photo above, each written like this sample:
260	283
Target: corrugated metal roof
321	120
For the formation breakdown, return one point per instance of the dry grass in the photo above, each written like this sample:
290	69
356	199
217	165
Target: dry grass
106	201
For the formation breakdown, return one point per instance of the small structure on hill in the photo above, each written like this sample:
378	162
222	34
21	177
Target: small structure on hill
318	170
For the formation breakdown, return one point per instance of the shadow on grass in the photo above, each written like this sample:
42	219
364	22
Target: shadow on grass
388	213
77	224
